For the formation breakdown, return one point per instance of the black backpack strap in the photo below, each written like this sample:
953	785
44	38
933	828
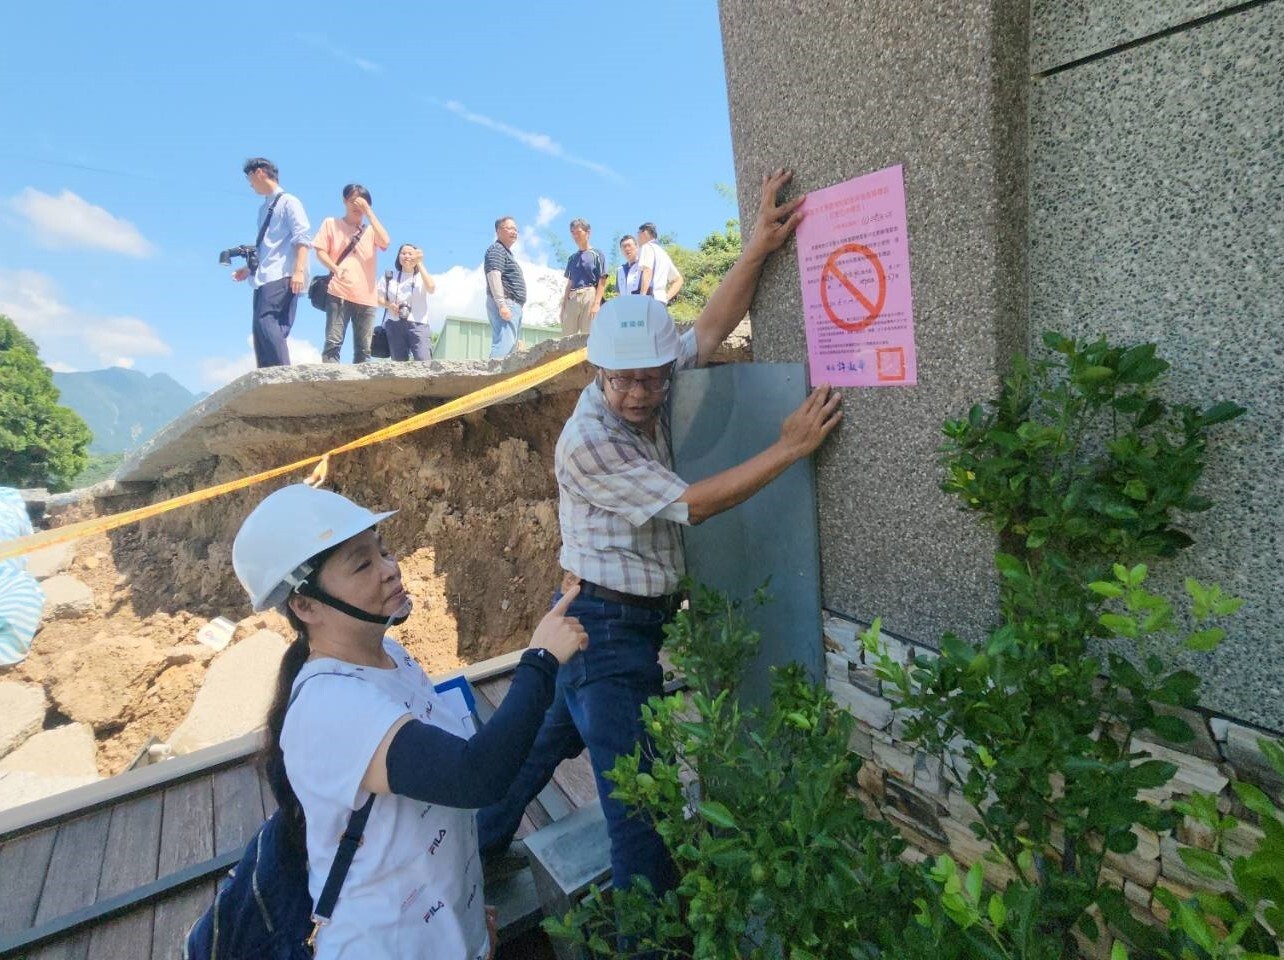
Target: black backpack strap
348	844
268	219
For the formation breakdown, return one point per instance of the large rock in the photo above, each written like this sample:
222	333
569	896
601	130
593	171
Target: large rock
98	682
66	597
22	713
43	564
236	694
48	763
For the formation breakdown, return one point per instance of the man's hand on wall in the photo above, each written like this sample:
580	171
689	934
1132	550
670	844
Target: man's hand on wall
775	221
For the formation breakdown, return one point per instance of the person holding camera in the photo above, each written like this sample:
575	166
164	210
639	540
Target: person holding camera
404	295
277	264
347	249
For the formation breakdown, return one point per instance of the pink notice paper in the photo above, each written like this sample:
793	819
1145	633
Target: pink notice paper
853	258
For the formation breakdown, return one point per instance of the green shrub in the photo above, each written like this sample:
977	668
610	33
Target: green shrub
776	858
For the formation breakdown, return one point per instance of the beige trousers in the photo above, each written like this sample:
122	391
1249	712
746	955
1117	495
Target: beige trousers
575	311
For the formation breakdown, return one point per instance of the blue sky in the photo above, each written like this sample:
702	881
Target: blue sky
126	126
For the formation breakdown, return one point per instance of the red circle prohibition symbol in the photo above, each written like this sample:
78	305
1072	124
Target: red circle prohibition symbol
874	308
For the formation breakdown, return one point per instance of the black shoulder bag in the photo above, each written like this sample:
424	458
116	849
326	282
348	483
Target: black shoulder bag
317	288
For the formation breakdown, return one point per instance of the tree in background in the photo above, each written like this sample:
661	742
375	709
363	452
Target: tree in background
704	267
42	444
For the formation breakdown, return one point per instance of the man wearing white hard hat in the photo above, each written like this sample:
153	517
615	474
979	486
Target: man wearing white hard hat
621	511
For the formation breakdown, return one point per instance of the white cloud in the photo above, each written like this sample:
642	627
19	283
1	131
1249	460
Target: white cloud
540	142
531	246
220	371
70	337
68	220
548	211
351	59
59	367
461	292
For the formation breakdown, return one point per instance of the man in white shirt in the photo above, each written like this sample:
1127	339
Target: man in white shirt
659	277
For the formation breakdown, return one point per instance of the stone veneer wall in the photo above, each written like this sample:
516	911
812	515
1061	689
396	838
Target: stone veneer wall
912	791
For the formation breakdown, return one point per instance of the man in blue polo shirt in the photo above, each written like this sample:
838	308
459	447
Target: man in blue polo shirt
505	290
585	282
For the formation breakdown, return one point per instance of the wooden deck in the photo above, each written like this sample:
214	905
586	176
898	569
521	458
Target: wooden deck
122	868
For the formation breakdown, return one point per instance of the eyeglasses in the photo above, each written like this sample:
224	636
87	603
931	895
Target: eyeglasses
648	385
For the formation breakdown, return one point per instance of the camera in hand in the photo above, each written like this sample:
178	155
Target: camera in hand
250	253
401	308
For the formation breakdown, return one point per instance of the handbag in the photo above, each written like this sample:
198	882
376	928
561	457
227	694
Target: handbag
318	289
379	346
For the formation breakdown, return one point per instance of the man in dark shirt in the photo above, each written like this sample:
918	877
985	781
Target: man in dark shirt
505	290
585	282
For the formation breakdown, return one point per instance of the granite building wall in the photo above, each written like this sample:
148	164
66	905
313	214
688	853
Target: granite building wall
1089	166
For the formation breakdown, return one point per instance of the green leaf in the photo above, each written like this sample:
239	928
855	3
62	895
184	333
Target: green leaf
1150	774
1035	540
1118	624
1135	489
1273	750
1203	863
717	814
1095	374
1118	951
1221	412
998	911
1171	728
1203	641
1009	566
1105	588
1254	798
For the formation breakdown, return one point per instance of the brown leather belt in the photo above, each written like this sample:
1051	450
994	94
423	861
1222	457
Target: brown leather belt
666	604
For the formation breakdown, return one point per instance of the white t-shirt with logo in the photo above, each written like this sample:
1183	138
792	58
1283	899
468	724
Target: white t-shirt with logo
662	269
408	288
415	885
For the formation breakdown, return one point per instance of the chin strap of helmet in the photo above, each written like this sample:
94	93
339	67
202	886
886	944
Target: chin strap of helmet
306	588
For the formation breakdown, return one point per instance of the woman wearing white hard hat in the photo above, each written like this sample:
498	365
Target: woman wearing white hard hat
355	718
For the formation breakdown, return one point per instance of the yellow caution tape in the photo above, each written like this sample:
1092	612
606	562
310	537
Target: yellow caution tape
469	403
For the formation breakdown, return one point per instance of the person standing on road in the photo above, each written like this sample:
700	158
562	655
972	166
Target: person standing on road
660	277
282	273
585	282
347	249
626	274
505	290
404	295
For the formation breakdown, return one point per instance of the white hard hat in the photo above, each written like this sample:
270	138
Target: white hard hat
632	332
285	531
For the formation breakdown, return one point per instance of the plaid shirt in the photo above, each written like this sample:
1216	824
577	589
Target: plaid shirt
621	522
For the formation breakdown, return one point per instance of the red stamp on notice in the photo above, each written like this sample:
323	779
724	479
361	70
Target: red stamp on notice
891	364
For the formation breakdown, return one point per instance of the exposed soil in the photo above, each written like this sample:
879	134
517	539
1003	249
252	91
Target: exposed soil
476	530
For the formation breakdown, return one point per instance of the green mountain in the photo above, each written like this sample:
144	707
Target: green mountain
123	407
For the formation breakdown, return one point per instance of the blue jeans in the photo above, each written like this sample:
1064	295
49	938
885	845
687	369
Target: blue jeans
600	692
503	333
